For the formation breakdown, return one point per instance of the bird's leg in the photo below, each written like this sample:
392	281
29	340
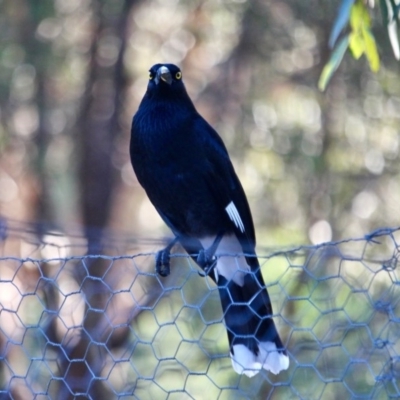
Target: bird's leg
206	258
163	257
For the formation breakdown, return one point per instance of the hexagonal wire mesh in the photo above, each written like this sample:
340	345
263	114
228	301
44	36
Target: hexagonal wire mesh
107	327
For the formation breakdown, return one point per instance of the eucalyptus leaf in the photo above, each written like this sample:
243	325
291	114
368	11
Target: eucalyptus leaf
333	63
385	11
371	50
359	16
395	10
356	44
340	21
394	39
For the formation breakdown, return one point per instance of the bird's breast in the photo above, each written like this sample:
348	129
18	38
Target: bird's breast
167	142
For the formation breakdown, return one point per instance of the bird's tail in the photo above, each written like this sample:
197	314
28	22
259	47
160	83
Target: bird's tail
253	338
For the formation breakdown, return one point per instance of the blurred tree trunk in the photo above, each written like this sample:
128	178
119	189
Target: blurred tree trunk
98	128
27	17
38	55
98	122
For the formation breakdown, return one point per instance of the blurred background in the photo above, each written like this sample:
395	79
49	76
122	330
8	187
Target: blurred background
315	166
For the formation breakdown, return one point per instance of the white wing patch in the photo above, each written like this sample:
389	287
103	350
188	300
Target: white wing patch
234	216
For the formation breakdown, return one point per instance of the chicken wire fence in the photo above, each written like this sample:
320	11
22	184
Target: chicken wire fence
105	326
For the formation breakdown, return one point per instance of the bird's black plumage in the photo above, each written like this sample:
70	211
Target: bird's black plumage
185	169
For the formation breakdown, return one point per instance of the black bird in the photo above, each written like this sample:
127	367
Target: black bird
185	169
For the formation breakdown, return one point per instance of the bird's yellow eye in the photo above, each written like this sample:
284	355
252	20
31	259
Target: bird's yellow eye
178	75
151	75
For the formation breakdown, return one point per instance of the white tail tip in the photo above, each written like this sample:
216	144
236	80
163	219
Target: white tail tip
246	362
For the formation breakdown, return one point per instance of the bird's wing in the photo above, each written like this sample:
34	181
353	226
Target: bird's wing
224	184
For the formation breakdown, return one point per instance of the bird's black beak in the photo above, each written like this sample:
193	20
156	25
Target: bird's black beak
163	74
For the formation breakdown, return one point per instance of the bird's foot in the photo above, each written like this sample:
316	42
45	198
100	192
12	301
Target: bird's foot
206	262
206	258
162	262
163	258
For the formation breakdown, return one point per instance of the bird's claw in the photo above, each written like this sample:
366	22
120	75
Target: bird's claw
162	262
163	259
206	258
206	262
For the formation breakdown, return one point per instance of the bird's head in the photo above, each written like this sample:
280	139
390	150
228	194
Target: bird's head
165	79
